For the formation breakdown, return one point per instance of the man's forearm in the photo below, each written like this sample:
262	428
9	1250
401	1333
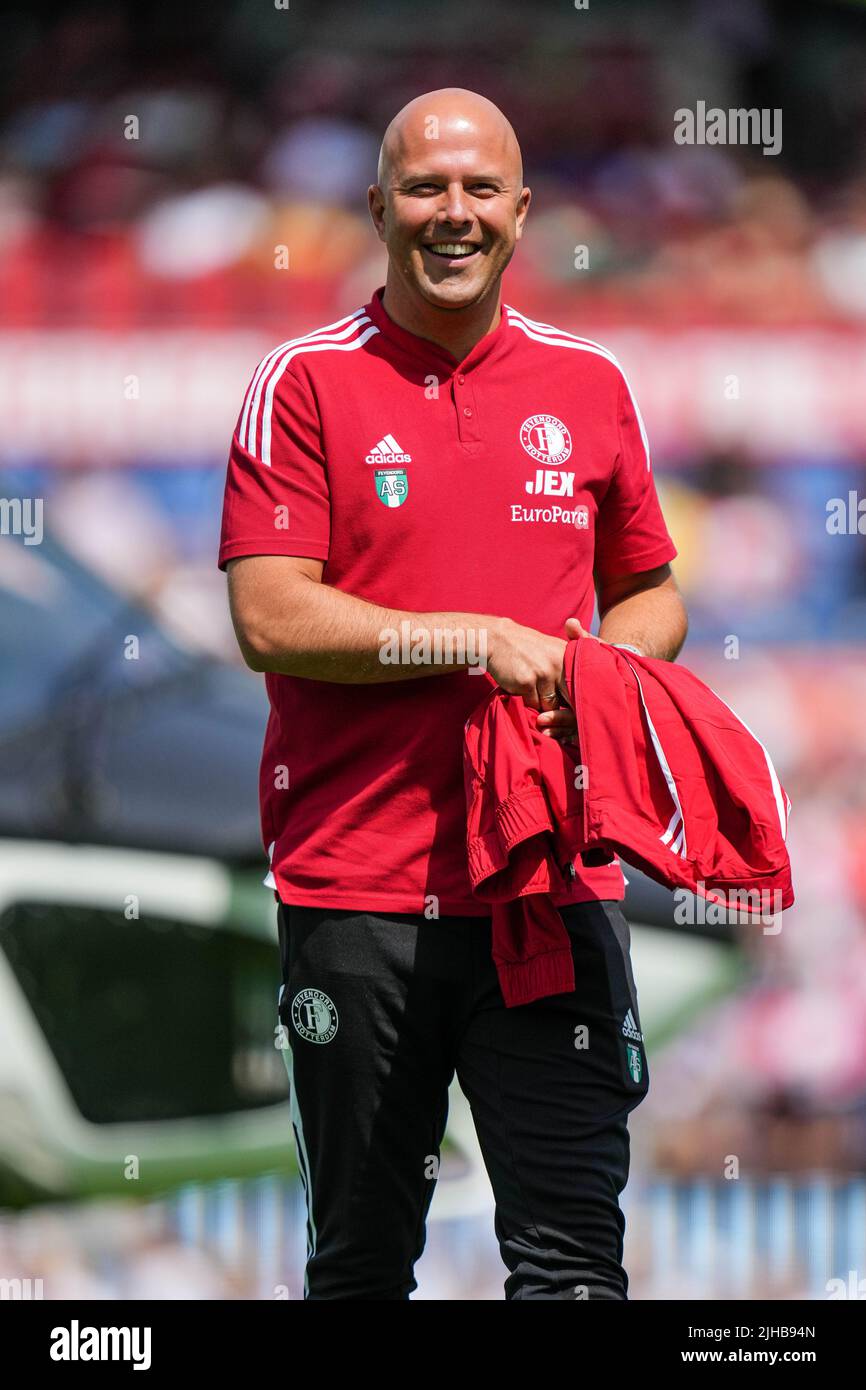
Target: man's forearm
654	620
323	633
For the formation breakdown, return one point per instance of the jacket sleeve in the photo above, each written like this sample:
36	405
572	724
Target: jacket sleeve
631	534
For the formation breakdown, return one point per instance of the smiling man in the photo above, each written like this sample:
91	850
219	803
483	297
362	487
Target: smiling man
438	462
426	274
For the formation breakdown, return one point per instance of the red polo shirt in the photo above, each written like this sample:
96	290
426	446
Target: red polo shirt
492	485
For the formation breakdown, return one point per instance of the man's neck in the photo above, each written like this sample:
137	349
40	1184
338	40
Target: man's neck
456	330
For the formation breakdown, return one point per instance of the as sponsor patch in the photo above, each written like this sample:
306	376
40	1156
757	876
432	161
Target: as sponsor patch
392	486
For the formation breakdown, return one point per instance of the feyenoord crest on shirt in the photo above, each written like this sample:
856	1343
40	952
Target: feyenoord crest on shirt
546	438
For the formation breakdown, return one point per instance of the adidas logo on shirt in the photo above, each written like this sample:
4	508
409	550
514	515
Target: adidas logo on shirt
630	1028
388	451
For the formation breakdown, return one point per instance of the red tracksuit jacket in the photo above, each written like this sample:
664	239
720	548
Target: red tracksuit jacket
664	773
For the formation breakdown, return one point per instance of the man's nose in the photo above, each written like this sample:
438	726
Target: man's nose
455	204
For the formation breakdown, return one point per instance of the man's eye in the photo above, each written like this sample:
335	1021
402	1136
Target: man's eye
425	189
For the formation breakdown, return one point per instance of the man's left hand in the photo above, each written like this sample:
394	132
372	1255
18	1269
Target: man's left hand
560	723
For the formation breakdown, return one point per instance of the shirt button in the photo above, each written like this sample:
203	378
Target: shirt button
467	412
460	380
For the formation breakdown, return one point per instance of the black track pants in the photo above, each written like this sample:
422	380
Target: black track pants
379	1010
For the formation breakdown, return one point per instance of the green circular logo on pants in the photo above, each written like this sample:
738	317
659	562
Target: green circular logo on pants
314	1016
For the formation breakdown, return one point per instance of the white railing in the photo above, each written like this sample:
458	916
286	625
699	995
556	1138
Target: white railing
781	1237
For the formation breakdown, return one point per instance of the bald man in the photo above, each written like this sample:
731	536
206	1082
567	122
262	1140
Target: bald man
423	500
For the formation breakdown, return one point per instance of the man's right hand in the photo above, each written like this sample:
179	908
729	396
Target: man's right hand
529	663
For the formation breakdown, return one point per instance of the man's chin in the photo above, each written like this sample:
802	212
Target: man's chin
451	294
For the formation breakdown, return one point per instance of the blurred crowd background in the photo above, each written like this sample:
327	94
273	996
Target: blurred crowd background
157	163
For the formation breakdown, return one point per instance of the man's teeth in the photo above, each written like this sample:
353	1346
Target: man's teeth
452	248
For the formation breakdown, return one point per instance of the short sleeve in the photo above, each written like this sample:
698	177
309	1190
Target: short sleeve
631	534
276	499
